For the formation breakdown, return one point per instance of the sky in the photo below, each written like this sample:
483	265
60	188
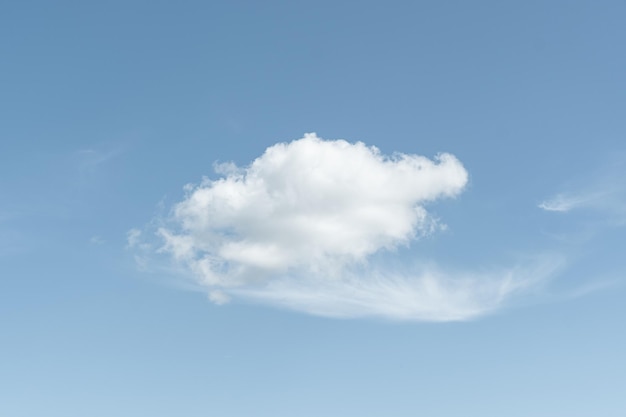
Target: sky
312	208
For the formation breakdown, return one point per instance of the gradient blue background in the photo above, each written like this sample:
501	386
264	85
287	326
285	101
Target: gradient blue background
109	108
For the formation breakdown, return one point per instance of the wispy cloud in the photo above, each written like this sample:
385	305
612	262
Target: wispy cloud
421	294
96	240
601	192
564	202
90	159
298	227
133	237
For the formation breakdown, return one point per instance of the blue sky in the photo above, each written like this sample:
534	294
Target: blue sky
312	275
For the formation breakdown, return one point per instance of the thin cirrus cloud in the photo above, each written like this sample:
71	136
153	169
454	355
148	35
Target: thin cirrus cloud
423	294
601	198
602	193
564	202
299	227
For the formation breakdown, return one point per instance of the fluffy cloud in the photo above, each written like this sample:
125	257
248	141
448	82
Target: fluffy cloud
298	227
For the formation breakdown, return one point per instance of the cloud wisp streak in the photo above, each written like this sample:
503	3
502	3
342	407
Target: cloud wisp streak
299	226
566	202
423	294
606	198
603	193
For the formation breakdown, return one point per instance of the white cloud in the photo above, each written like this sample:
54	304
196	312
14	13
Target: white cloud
90	159
424	294
133	237
218	297
558	203
297	228
601	192
565	202
96	240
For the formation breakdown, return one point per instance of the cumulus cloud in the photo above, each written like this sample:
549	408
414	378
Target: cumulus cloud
298	228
